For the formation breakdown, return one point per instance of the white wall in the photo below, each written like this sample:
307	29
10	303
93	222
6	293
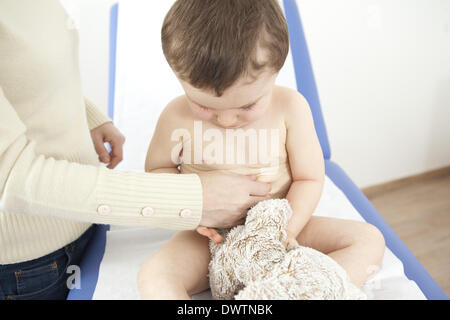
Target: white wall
92	20
383	73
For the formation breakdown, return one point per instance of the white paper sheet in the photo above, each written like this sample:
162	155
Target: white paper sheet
128	248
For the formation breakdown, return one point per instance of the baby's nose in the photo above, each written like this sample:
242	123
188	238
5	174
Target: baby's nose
227	120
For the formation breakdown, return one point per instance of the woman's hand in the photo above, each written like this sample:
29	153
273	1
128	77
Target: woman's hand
228	196
108	133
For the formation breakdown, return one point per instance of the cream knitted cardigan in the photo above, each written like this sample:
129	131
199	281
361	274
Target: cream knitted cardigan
51	185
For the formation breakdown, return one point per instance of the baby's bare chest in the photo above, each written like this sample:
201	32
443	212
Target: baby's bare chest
258	151
217	148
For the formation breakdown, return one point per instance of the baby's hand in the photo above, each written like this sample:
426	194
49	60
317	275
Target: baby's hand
210	233
290	241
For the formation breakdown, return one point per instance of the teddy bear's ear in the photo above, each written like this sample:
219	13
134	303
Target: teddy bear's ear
286	207
283	208
267	208
254	211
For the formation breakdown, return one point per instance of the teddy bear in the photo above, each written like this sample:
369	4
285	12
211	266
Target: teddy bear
252	263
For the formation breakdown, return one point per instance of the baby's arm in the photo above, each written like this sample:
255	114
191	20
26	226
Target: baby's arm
159	154
162	151
306	162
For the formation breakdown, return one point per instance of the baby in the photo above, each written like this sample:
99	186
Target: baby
227	55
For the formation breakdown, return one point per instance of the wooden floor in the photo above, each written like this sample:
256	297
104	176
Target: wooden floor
418	209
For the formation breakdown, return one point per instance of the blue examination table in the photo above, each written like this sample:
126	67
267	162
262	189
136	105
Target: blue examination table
307	86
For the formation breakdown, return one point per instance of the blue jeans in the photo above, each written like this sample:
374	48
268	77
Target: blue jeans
43	278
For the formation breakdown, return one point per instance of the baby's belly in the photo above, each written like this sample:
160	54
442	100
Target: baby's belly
279	176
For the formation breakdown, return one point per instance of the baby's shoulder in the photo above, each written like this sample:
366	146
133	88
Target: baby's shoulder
176	111
289	102
286	98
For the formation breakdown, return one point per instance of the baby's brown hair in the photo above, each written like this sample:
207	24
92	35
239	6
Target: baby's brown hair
212	43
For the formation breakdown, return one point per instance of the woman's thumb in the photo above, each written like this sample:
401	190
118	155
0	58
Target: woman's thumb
103	154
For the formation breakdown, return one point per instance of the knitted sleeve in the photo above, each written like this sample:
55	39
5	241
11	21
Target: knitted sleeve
31	183
95	117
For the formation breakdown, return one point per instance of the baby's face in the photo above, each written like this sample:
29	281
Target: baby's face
244	102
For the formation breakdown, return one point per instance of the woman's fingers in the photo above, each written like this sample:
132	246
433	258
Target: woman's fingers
216	237
210	233
259	188
100	149
202	230
254	200
116	153
107	132
227	197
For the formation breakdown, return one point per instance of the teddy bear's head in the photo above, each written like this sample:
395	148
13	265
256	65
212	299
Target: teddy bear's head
270	215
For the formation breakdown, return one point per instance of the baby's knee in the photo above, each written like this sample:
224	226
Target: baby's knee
371	238
149	276
157	281
146	274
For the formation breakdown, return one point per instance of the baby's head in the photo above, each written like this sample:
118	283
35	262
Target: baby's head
226	54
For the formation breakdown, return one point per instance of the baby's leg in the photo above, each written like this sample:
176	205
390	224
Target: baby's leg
357	246
177	270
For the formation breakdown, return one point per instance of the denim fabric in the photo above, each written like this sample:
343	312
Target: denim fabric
43	278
